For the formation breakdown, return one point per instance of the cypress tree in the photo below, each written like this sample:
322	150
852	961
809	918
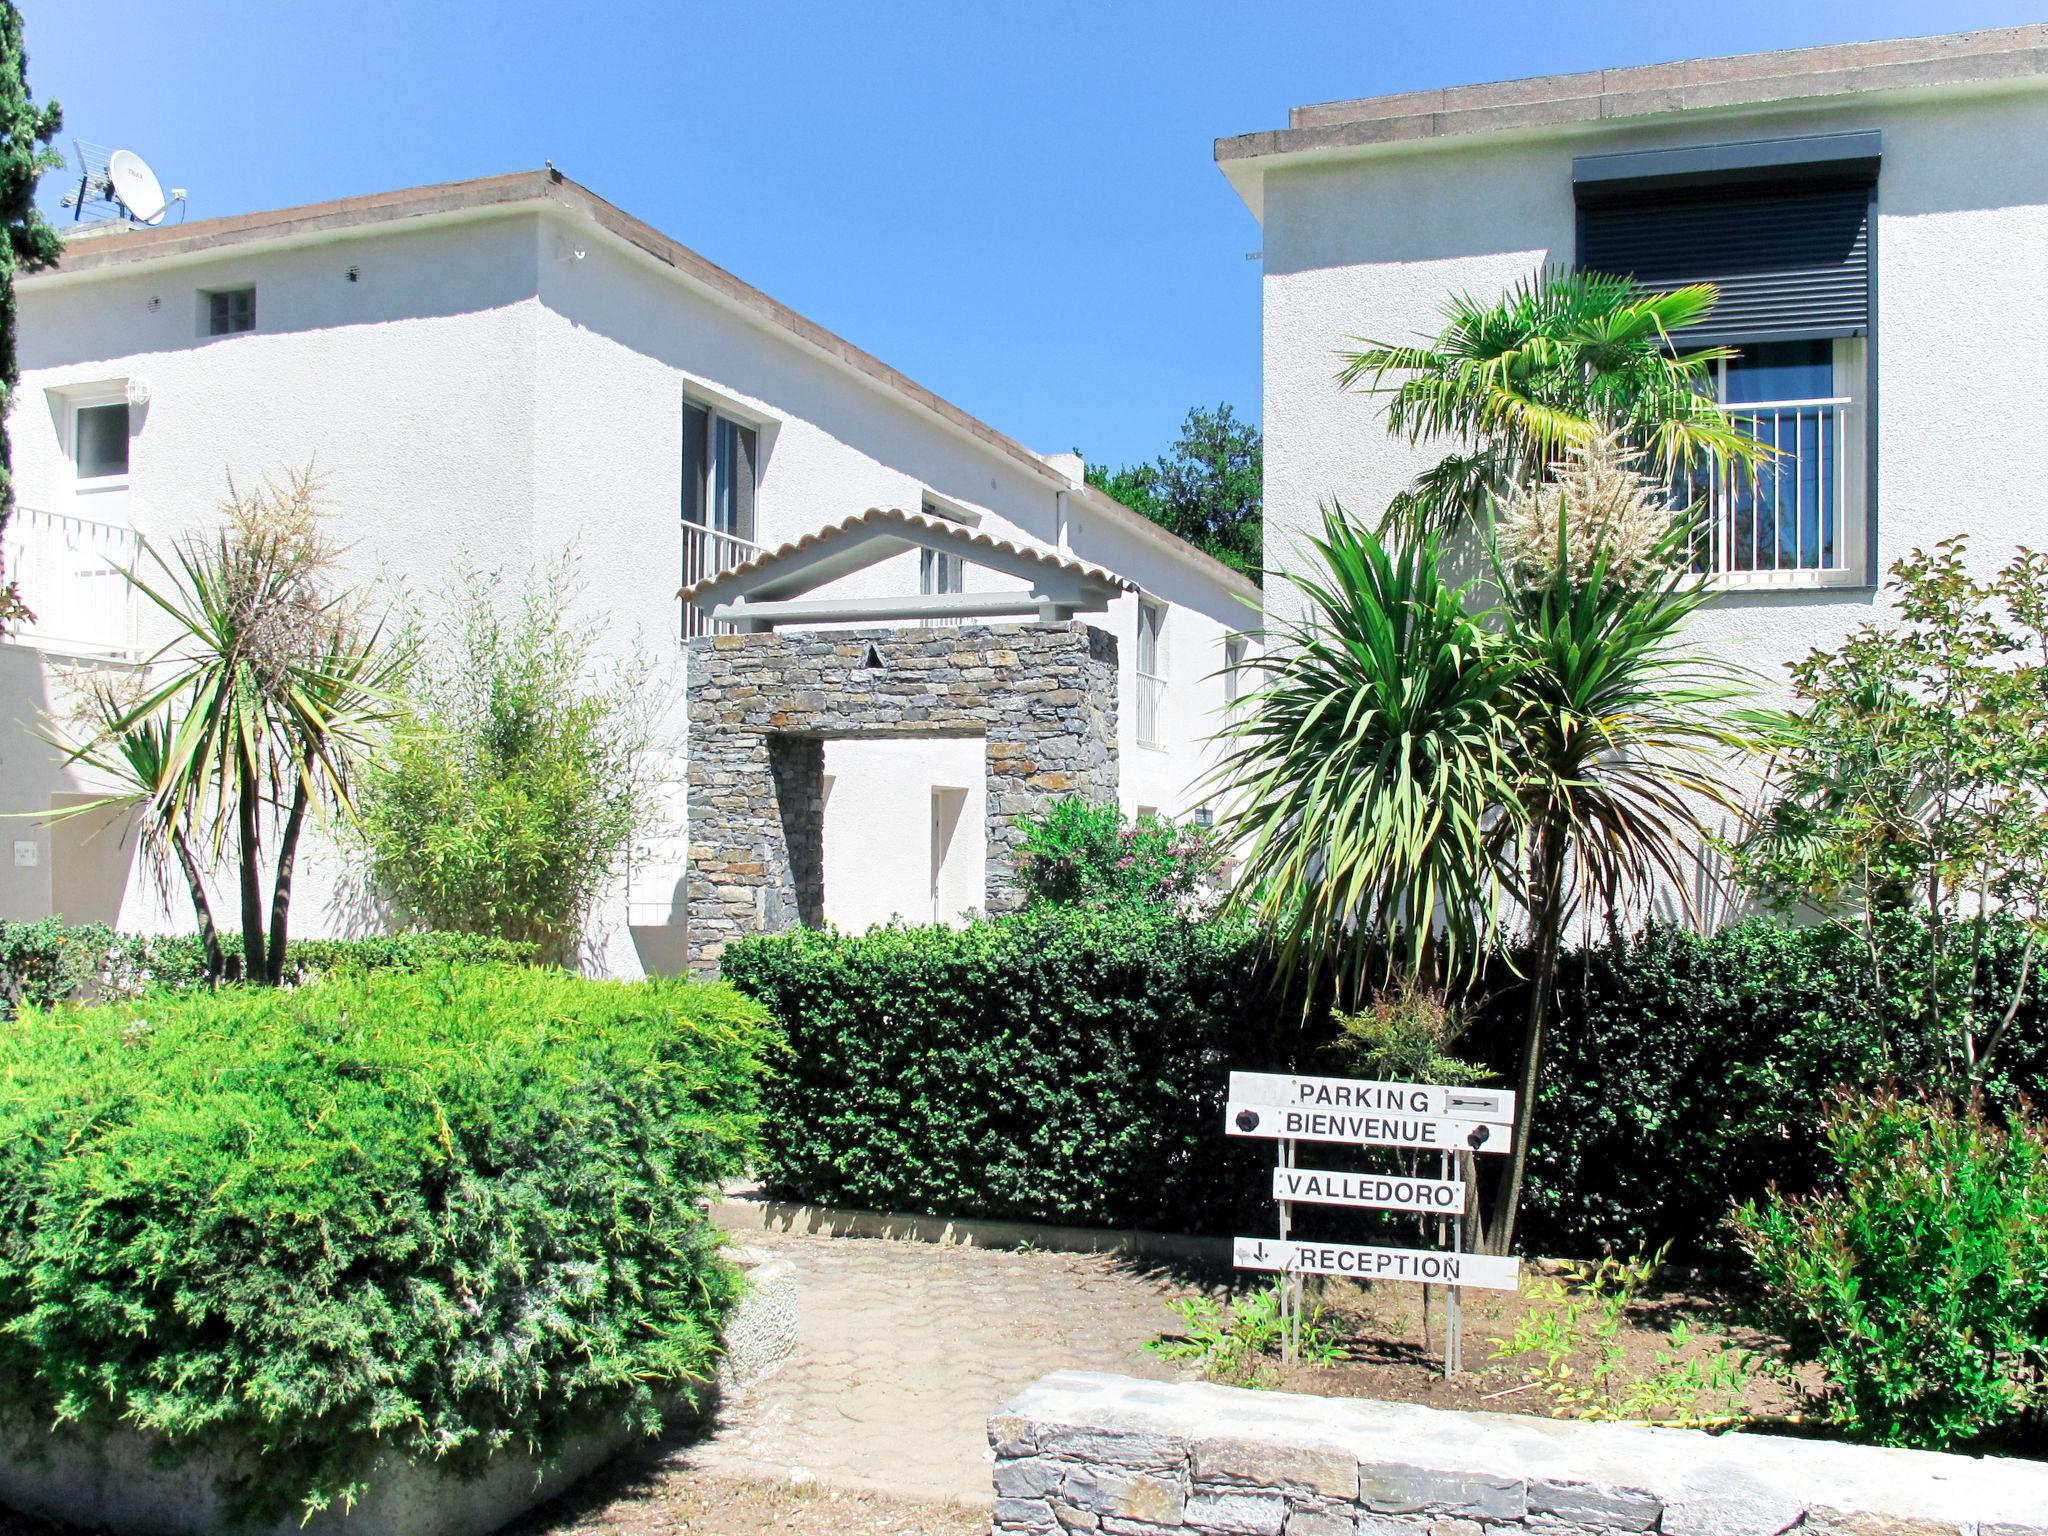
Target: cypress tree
25	153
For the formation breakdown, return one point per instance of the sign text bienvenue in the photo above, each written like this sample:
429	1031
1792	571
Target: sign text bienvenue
1477	1271
1380	1191
1495	1106
1365	1128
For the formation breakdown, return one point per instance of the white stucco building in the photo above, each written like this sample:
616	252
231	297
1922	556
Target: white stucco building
487	374
1877	214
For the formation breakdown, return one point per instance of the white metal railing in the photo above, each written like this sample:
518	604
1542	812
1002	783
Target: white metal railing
706	553
70	573
1787	514
1151	705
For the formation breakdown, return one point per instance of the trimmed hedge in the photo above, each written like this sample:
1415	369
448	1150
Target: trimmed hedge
48	961
1686	1073
440	1212
1058	1065
1070	1066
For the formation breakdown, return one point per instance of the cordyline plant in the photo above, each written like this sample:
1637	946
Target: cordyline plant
1422	762
1912	782
1518	382
264	704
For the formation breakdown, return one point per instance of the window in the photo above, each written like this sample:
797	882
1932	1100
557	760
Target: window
1151	674
230	311
940	571
1790	521
1783	228
99	444
719	470
1233	668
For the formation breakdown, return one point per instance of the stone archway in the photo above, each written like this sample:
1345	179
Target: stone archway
1043	698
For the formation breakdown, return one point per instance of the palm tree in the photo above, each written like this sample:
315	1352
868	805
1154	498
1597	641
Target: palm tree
1516	382
266	700
1362	777
133	756
1622	733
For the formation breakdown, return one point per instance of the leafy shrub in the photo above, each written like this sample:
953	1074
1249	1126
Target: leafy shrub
45	962
1056	1065
1686	1073
1918	1281
1079	853
523	772
1237	1343
444	1212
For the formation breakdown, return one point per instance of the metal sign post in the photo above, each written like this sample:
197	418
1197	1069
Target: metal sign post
1455	1123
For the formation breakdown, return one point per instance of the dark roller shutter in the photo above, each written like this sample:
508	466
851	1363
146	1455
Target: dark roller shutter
1790	262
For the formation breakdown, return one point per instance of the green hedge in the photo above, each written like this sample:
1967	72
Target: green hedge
48	961
1685	1073
446	1211
1069	1066
1058	1065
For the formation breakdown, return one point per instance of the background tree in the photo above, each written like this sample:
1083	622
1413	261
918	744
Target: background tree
1208	489
522	773
1908	793
1514	383
25	153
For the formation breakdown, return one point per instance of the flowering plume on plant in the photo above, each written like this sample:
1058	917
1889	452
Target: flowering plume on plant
1594	501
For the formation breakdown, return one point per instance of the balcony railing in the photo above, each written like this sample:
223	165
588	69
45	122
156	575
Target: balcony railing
1786	517
69	570
706	553
1151	704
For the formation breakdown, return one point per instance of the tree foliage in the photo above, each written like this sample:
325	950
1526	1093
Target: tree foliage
25	153
1081	853
522	771
1208	488
265	705
1513	383
1913	776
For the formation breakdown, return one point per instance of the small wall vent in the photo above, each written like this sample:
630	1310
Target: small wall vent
873	660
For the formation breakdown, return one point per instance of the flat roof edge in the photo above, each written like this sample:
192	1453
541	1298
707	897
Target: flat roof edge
1736	80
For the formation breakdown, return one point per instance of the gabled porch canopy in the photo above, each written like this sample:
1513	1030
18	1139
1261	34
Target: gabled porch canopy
767	590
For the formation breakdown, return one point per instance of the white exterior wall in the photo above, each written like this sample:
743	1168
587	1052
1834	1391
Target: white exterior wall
1371	246
481	395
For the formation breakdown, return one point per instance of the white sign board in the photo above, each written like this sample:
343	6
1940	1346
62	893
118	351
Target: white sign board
1365	1128
1495	1106
1480	1271
1380	1191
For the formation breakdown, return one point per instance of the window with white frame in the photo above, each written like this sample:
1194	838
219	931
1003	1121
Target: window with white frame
1151	671
940	571
229	311
99	442
1784	230
1233	669
1794	517
720	472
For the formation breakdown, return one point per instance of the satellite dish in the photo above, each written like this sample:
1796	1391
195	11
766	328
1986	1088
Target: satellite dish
136	185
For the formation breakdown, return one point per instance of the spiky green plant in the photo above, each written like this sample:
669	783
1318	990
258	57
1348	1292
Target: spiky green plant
1512	384
1362	778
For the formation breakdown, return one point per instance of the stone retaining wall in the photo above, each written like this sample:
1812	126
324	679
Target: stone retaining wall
1085	1452
1042	697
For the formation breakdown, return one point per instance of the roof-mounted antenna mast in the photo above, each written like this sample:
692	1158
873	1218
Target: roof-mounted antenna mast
118	184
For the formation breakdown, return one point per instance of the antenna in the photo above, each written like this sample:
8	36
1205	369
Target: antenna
117	184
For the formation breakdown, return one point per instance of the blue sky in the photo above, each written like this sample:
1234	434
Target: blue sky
1016	204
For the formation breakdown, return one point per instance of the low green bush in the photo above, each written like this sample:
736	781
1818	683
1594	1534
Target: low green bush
1085	853
45	962
1061	1065
441	1212
1917	1282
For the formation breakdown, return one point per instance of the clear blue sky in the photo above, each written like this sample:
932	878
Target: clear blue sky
1016	204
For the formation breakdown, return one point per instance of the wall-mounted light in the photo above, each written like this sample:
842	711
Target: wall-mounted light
138	392
1204	817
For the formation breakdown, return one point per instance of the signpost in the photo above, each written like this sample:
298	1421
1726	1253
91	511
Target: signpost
1363	1112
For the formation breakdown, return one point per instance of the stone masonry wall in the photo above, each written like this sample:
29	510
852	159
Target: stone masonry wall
1084	1452
1042	696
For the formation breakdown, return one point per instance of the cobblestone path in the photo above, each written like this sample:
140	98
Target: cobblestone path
904	1347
